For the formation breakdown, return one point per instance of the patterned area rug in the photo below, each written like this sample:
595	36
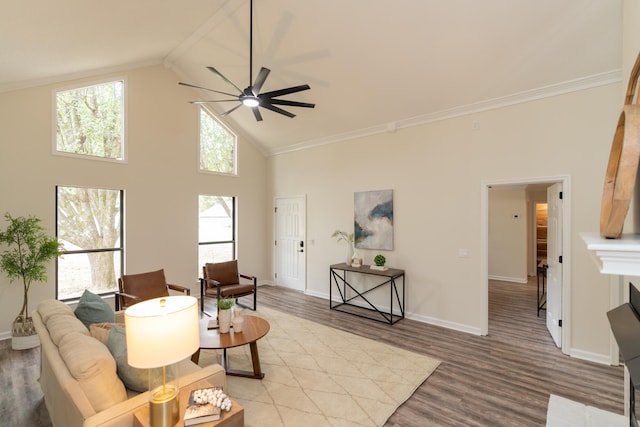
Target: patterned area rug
319	376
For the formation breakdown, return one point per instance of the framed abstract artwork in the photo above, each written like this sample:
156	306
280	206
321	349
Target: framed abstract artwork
373	219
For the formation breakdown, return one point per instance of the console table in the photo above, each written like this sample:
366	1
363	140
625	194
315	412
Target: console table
348	295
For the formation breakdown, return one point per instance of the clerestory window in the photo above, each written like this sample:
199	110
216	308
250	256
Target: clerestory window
218	146
90	121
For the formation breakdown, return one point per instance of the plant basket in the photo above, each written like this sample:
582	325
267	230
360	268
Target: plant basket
23	334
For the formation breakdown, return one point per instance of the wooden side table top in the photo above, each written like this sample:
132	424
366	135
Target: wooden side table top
233	418
253	329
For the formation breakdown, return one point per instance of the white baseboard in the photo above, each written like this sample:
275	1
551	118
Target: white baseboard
508	279
265	283
603	359
417	317
444	323
5	335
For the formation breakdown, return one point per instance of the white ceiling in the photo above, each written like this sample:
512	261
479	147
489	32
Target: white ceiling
373	65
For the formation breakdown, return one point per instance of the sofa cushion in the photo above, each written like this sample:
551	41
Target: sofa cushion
60	325
133	378
51	307
92	309
91	364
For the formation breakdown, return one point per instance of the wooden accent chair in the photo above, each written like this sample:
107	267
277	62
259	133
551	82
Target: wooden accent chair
222	280
134	288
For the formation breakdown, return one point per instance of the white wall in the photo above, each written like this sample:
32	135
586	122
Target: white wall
161	181
508	235
436	172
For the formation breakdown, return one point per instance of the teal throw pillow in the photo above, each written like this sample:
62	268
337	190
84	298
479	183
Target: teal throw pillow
135	379
93	309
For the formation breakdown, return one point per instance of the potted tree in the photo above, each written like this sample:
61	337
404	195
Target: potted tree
28	250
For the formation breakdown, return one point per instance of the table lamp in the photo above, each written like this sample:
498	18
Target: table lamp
162	332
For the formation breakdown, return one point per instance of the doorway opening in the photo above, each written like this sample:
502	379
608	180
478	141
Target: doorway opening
563	241
540	238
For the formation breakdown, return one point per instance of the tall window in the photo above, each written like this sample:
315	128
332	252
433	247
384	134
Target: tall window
89	221
216	224
90	121
217	146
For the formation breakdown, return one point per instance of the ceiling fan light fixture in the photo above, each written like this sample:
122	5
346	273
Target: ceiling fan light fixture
250	101
252	96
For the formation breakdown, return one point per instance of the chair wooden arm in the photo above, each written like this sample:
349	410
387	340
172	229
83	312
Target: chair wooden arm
179	288
210	283
244	276
122	296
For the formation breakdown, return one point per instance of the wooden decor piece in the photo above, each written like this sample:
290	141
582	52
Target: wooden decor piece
623	163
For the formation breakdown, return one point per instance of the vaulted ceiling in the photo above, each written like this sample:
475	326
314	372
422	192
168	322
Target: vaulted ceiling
373	65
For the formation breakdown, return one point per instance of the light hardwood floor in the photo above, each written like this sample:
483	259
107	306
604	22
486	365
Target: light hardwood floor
503	379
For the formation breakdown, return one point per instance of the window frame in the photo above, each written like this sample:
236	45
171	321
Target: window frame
54	119
89	251
234	231
215	118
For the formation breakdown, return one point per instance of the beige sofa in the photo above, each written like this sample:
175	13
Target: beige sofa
78	374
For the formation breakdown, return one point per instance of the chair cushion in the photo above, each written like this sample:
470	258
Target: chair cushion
232	291
224	272
145	285
91	364
51	307
93	309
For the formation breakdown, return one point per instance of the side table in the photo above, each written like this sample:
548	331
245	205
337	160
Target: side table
233	418
350	296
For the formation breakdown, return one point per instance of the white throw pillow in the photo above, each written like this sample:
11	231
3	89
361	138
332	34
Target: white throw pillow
92	365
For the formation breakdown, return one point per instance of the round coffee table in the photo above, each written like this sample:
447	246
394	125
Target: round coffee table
253	329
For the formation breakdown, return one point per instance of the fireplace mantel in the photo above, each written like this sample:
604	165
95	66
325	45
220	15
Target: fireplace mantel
615	256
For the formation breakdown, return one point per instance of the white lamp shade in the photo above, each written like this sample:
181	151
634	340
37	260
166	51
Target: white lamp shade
161	331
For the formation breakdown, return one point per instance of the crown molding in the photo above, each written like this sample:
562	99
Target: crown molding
589	82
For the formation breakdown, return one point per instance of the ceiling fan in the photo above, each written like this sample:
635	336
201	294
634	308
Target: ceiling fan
251	96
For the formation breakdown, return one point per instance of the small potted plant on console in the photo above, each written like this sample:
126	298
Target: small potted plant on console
379	262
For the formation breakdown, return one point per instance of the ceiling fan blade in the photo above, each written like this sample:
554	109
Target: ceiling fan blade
204	88
291	103
256	113
262	76
231	111
286	91
217	73
207	102
277	110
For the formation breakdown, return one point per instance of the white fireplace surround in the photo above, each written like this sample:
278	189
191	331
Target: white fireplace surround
619	257
616	258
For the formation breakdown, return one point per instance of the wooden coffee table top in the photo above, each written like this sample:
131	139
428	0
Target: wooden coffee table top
253	329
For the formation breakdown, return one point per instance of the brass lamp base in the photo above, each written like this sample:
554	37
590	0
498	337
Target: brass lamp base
164	410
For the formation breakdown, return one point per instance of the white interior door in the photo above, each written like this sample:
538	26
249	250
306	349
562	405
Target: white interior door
554	261
291	247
